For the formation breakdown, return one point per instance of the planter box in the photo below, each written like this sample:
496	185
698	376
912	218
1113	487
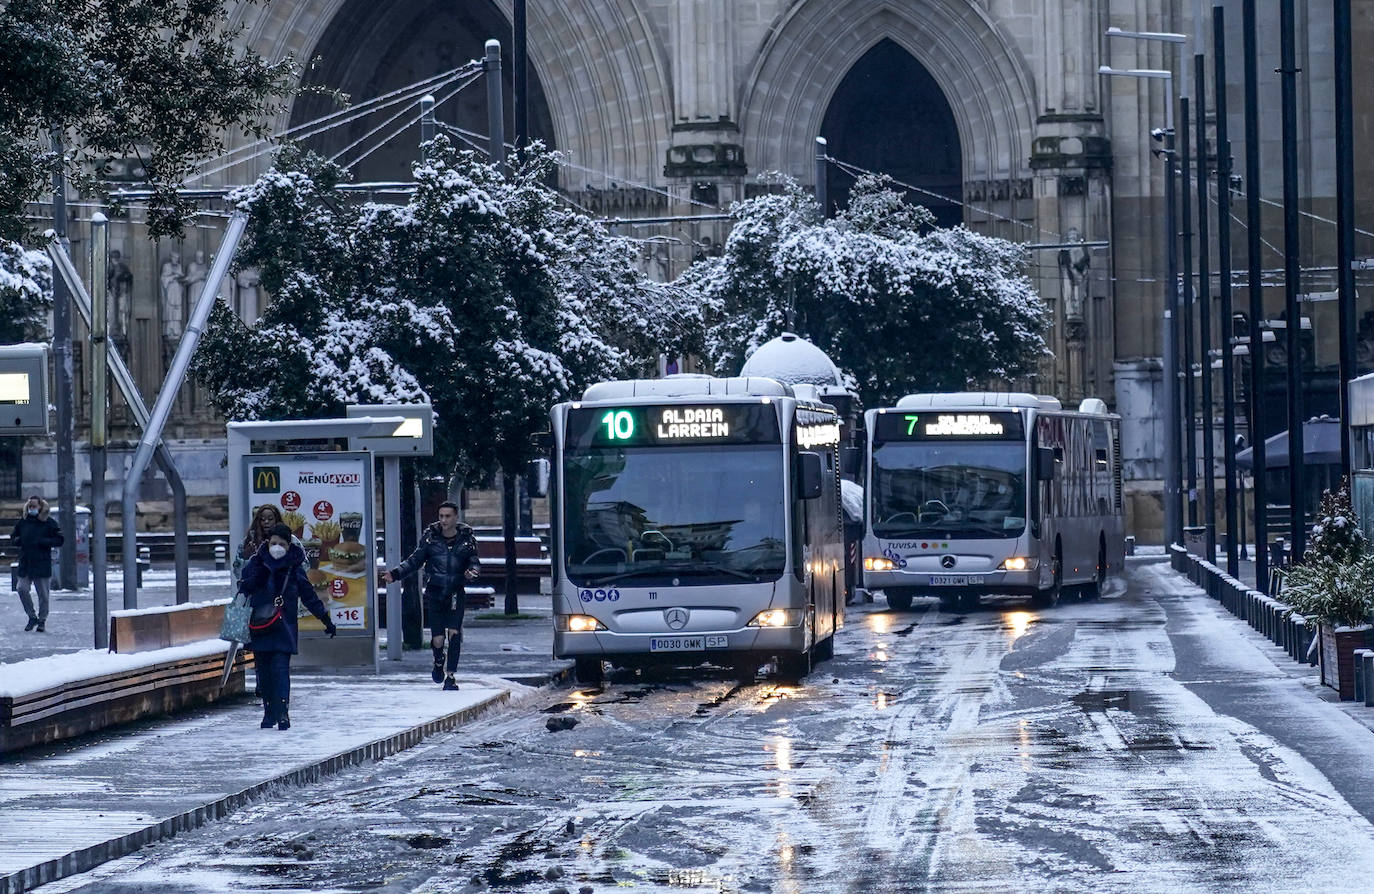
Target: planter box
1337	655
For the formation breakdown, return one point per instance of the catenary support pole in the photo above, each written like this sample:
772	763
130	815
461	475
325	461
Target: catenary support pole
1186	234
391	515
100	253
1254	221
496	130
1204	305
822	184
66	389
1234	539
1345	218
124	380
1173	508
520	73
496	114
1292	272
176	375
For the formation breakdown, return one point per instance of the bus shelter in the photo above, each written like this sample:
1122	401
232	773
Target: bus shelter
319	474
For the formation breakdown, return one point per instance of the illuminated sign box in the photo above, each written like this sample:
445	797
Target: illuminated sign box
412	437
24	390
937	425
668	426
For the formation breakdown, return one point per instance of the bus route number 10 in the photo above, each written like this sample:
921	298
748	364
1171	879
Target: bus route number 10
620	425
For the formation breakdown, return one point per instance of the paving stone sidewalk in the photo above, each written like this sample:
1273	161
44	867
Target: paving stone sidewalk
68	807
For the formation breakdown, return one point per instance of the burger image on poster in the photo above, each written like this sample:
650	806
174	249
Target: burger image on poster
349	557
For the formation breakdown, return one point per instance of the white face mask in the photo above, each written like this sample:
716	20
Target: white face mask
277	550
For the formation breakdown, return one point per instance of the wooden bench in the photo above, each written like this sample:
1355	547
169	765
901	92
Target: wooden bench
532	564
160	661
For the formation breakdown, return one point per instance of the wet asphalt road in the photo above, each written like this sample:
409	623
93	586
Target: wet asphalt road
1139	742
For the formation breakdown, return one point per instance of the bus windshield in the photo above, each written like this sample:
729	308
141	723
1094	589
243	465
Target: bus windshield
949	489
684	516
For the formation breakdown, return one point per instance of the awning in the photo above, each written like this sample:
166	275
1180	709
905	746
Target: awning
1321	443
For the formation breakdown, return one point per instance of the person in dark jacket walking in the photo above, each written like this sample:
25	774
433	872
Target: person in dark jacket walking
448	552
275	583
35	537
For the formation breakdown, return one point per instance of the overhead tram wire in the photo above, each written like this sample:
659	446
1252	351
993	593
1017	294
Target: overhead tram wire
413	121
409	93
564	163
851	168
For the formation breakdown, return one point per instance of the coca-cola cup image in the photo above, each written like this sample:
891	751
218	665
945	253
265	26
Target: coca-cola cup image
312	552
352	525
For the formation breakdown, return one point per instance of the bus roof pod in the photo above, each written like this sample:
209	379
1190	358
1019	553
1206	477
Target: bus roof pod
966	399
1095	405
687	385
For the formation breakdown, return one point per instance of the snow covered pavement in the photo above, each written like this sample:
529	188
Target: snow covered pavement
1142	742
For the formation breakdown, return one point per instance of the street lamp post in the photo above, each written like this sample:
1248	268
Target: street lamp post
1259	488
1228	377
1173	515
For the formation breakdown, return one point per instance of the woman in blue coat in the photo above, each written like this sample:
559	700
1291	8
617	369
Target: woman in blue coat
275	583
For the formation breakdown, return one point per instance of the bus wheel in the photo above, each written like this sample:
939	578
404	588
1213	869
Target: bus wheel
793	667
1047	598
899	600
589	671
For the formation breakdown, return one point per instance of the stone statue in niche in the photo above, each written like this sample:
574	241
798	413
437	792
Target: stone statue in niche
246	288
173	284
196	273
120	282
1074	264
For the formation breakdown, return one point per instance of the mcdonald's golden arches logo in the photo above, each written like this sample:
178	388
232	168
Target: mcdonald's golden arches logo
266	479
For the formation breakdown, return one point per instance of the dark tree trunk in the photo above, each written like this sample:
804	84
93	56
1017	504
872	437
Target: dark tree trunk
508	507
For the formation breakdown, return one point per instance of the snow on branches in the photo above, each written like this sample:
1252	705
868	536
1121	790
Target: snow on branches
482	294
900	304
25	293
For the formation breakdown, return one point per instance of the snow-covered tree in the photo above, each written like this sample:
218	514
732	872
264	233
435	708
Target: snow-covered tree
25	293
161	82
481	293
898	303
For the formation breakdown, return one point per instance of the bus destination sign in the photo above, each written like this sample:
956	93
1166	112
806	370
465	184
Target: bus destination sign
949	426
663	426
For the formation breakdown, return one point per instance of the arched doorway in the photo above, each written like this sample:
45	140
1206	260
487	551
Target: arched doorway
371	48
889	115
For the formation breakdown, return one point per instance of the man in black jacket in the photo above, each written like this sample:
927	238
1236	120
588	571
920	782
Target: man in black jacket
35	537
448	552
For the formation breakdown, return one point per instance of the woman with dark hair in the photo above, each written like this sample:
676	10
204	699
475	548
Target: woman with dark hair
276	584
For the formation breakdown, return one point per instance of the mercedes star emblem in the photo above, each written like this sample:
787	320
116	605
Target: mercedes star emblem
948	561
676	618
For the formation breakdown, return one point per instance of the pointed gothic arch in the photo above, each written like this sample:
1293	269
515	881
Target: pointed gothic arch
973	63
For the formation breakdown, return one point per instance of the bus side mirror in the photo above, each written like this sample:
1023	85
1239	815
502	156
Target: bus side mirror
809	475
539	478
851	461
1044	463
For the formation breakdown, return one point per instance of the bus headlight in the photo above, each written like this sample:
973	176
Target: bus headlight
577	623
777	617
1019	563
878	563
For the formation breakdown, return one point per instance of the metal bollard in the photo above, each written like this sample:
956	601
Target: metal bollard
1366	670
221	555
1130	544
1359	674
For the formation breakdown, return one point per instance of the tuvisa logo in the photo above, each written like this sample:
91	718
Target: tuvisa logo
266	479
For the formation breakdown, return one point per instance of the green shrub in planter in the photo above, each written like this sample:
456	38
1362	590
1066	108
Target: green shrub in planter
1335	582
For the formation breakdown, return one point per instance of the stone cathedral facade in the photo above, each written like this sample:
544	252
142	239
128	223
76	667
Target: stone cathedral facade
992	112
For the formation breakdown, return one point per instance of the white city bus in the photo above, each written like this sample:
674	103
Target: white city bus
696	519
976	493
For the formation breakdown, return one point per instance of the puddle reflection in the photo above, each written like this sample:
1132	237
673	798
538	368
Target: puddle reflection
1017	623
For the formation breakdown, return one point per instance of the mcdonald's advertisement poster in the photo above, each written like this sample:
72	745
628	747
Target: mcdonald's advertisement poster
324	502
